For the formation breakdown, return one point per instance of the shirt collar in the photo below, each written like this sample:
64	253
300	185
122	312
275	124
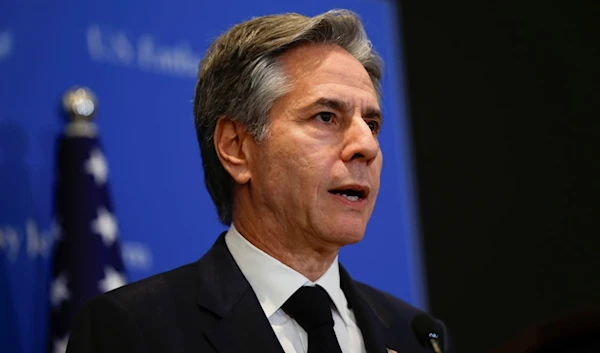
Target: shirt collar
330	281
274	282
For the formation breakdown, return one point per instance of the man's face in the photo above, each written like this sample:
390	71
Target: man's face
318	170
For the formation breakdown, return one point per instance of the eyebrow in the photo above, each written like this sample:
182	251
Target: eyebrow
344	106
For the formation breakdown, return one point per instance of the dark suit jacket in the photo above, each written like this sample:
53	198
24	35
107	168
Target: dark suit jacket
209	307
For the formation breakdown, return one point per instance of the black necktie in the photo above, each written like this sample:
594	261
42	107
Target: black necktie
311	308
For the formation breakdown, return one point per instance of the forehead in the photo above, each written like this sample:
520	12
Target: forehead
325	69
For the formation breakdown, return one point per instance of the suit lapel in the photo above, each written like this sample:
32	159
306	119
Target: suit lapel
373	328
379	328
224	291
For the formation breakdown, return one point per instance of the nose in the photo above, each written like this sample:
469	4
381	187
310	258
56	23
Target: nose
360	142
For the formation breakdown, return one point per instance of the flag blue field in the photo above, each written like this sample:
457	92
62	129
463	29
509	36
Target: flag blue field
87	259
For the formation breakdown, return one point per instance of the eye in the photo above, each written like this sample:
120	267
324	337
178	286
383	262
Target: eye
325	117
373	125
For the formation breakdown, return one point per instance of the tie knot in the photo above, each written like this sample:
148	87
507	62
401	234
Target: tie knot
310	307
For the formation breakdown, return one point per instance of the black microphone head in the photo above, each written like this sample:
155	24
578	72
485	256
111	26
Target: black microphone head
425	329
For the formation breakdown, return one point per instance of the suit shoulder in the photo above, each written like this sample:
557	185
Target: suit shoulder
384	304
142	314
387	300
144	292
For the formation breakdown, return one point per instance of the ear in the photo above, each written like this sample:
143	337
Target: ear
231	140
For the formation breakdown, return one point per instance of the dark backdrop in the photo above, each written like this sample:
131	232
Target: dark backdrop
504	104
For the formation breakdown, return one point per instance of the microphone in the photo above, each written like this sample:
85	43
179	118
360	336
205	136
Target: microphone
427	332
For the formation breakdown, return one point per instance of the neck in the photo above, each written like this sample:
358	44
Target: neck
290	248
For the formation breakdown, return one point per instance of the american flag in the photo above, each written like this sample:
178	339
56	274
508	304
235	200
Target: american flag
87	259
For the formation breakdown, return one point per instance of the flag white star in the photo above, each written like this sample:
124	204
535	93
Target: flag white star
60	344
112	280
105	225
96	165
59	291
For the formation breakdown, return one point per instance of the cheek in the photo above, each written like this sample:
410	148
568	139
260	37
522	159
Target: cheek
284	166
376	170
296	160
303	156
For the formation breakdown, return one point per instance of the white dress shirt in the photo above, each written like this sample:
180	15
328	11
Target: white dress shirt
274	283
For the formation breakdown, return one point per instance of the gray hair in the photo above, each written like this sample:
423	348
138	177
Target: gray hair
240	78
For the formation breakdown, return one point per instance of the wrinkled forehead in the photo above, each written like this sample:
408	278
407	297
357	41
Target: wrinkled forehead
326	73
311	64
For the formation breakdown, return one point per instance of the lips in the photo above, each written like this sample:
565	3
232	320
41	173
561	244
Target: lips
351	192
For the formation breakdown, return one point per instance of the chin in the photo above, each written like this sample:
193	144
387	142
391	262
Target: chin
347	233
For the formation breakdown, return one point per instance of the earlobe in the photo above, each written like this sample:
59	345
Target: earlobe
229	139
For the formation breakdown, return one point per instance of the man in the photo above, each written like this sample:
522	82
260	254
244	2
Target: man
287	115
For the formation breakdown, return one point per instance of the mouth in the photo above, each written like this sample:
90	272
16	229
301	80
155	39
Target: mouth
353	193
